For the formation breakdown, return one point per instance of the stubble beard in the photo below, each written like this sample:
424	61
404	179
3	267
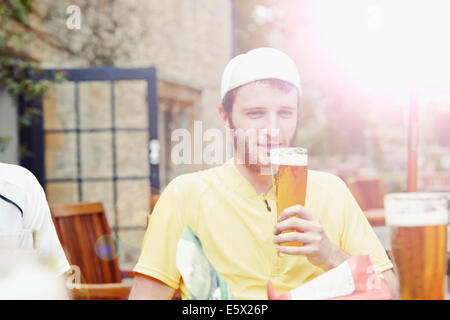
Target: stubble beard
255	167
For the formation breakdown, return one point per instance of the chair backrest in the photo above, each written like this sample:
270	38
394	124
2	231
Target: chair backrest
86	238
369	192
435	180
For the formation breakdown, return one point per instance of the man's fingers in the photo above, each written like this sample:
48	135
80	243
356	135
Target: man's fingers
298	211
305	250
296	224
294	237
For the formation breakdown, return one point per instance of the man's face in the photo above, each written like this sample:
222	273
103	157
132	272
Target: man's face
272	114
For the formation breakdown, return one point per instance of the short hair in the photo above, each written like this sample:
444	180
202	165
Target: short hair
230	96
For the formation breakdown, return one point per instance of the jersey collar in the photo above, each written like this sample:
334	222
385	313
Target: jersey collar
242	186
13	194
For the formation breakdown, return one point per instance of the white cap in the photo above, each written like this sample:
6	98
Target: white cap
259	64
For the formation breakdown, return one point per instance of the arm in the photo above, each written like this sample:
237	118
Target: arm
148	288
392	282
388	275
156	273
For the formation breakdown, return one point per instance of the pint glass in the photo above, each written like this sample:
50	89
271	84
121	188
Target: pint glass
289	172
418	233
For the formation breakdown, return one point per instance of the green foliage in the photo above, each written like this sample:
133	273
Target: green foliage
4	141
250	32
17	71
19	9
332	123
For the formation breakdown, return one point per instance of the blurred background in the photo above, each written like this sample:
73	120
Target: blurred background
137	70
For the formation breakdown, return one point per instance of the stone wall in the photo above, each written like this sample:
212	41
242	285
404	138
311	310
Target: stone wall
9	150
189	43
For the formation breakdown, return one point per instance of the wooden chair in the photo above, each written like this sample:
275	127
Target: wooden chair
86	238
435	182
369	192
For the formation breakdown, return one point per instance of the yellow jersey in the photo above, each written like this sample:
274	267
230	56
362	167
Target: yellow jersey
235	226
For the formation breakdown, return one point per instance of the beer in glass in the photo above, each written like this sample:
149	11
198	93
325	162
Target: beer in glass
418	233
289	173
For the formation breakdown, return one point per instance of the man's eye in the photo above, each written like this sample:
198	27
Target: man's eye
255	114
286	113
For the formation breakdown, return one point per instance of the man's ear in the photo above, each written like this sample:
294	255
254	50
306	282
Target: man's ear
224	116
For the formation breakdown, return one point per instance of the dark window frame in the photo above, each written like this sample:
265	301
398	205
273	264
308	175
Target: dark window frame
34	135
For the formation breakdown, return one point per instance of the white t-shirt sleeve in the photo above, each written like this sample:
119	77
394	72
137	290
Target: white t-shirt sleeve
37	217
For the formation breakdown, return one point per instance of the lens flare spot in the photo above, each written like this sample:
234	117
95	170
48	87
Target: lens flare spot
106	248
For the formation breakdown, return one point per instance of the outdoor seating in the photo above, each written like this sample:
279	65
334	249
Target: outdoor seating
152	150
436	182
369	193
86	238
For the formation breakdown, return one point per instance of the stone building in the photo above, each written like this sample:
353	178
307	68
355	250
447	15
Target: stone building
187	42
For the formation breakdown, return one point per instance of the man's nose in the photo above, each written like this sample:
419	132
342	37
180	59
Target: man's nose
272	128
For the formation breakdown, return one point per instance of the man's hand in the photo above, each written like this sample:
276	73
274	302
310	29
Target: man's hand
272	294
316	246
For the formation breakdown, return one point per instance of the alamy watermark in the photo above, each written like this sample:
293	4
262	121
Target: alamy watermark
73	280
74	19
212	146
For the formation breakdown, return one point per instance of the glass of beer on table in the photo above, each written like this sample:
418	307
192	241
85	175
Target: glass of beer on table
418	233
289	173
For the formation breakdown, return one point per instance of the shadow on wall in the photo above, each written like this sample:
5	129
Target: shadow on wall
9	136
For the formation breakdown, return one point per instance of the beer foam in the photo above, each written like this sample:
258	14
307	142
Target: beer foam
286	159
417	209
415	219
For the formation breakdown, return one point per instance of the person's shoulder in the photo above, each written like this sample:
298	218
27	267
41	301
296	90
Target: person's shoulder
17	175
325	179
195	182
18	185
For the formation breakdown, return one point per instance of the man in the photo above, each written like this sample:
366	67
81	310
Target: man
232	208
23	206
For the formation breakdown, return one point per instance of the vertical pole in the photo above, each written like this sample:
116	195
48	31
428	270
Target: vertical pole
154	143
112	86
233	28
78	140
413	143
